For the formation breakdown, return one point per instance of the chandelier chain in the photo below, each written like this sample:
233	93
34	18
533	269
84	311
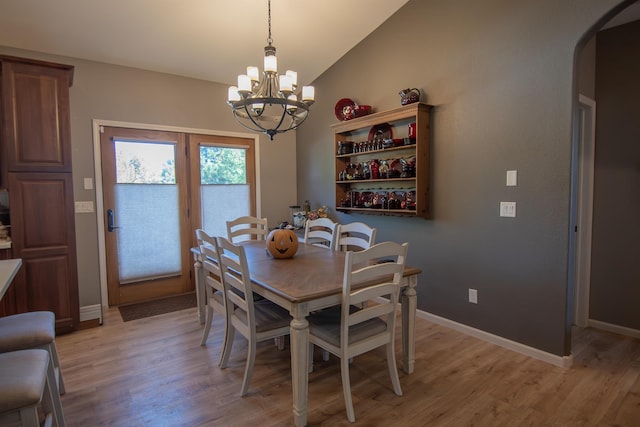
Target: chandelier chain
269	39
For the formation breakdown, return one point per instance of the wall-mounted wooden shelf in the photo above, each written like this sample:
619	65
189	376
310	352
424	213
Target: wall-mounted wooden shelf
405	190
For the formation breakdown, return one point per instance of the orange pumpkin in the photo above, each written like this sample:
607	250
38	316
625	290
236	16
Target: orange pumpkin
282	243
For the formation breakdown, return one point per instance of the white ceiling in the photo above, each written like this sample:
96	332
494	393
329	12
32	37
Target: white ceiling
205	39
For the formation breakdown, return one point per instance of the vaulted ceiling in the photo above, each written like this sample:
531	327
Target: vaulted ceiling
205	39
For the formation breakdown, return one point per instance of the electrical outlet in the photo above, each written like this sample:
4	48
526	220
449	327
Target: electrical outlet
473	296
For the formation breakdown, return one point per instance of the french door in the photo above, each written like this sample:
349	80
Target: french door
223	187
145	190
158	187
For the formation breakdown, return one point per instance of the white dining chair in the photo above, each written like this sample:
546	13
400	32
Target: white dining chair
247	228
347	330
355	235
257	321
321	232
214	291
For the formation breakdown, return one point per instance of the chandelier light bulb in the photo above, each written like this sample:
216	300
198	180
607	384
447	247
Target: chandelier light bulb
292	107
308	93
270	64
294	78
253	73
234	95
285	84
244	83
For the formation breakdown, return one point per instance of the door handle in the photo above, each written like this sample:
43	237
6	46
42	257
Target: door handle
111	219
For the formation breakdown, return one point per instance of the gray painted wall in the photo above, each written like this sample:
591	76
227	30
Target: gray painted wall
108	92
501	77
615	265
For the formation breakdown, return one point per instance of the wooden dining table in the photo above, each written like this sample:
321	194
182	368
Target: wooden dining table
309	281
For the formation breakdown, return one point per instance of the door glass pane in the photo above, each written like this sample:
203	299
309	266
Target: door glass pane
145	162
224	191
147	212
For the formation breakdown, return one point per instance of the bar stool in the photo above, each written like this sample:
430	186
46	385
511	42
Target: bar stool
35	329
27	379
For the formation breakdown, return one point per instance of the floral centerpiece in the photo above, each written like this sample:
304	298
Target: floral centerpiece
301	217
322	212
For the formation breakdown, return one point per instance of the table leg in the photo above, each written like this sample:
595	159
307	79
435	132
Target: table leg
201	295
409	305
299	368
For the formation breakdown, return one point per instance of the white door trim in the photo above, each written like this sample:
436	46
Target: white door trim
584	217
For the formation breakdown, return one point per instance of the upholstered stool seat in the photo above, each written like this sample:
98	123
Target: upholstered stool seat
34	329
27	379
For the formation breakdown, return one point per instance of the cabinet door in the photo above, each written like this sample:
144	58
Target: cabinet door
35	104
43	232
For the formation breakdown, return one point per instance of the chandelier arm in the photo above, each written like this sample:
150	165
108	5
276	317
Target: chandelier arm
296	118
246	109
266	100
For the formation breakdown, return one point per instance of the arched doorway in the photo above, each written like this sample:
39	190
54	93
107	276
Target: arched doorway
583	158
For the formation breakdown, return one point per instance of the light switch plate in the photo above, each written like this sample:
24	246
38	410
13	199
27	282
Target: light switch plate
508	209
512	178
88	184
84	207
473	296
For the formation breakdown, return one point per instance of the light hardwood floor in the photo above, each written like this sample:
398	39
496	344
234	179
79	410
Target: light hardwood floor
153	372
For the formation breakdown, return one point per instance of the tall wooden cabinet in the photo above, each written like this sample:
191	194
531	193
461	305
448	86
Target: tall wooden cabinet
36	170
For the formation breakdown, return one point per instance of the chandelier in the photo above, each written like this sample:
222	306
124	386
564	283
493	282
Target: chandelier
270	105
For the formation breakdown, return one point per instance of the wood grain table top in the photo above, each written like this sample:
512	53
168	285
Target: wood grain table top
312	273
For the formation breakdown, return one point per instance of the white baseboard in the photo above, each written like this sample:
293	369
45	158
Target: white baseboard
616	329
562	361
90	312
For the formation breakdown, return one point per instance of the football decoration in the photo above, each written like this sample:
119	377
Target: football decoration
282	243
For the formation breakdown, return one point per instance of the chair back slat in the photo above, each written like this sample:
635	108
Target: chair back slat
321	232
209	259
247	228
355	236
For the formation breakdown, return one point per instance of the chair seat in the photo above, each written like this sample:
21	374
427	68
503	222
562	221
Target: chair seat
325	324
268	316
22	378
27	330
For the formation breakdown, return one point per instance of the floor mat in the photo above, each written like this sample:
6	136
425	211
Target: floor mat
153	308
